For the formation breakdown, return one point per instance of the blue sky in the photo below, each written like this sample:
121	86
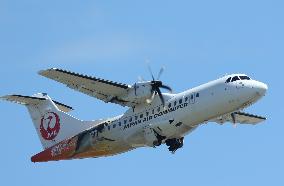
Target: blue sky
197	41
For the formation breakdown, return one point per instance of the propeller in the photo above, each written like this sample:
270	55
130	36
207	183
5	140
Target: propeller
156	85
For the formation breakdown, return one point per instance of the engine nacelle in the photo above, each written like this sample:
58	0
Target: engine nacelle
139	92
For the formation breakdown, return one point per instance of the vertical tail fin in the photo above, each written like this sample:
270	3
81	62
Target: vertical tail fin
50	119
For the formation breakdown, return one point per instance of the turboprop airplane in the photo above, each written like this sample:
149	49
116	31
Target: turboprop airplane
153	118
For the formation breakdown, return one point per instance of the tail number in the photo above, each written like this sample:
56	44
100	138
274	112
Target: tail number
49	125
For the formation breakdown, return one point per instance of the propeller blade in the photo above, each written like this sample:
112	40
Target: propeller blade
151	99
160	73
161	96
150	70
135	89
141	79
167	88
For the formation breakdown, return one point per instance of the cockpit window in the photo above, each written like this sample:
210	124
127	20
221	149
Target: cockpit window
244	78
236	78
228	80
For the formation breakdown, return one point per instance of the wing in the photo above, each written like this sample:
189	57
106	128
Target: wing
107	91
240	117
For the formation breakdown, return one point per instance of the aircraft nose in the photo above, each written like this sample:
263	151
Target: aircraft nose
261	88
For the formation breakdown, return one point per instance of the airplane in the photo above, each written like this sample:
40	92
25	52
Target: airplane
153	118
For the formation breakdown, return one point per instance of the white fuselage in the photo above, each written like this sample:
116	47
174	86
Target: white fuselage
154	118
182	113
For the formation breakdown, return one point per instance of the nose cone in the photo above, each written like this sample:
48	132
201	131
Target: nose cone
261	88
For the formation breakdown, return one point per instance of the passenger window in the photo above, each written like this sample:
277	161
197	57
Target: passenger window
228	80
197	95
119	124
186	99
153	111
147	113
180	101
136	117
236	78
130	119
175	103
141	116
125	121
191	97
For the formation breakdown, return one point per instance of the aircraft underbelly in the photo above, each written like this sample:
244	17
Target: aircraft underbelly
76	148
105	149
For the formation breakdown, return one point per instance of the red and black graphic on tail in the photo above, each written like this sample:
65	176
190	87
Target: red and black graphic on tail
49	125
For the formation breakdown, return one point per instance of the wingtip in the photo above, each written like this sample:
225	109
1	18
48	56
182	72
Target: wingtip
42	72
5	97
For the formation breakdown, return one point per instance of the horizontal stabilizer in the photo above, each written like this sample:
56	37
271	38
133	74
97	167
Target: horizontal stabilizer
35	100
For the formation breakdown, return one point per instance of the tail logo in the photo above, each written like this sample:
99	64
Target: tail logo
49	125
